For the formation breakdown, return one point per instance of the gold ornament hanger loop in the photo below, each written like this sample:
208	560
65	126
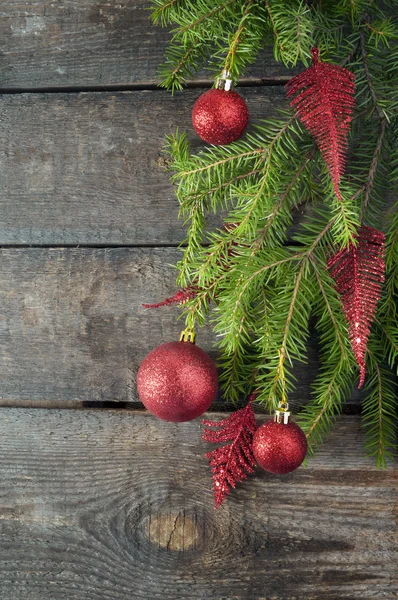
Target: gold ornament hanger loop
188	335
282	413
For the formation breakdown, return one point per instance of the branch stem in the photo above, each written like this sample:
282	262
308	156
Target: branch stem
373	166
368	75
232	51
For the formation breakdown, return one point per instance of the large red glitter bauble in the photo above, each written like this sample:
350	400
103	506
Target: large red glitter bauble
279	448
220	117
177	381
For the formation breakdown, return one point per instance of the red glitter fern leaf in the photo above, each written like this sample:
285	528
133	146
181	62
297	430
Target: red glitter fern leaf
231	463
324	103
358	271
180	297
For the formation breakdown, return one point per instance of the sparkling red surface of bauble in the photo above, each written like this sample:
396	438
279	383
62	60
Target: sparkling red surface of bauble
177	381
279	448
220	117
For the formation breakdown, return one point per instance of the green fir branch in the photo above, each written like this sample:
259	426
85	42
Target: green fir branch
244	43
293	28
287	334
207	13
379	411
162	11
333	384
389	338
330	390
181	63
257	290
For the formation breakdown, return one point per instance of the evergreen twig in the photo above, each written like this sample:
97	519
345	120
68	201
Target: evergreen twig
256	289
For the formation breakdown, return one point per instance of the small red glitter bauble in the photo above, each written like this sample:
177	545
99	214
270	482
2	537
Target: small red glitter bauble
279	448
220	117
177	381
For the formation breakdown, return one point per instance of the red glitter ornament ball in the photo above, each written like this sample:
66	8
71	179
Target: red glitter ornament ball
177	381
220	117
279	448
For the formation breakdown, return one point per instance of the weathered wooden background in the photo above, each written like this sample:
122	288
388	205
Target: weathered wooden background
107	502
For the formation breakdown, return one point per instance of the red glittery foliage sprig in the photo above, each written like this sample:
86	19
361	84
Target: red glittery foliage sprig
180	297
231	463
359	273
324	103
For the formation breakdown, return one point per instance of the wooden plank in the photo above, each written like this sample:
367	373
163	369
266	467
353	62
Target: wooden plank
81	169
72	327
112	505
88	42
87	168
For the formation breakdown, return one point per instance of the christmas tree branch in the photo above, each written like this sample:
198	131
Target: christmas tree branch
205	16
197	309
389	301
389	304
373	167
333	384
368	75
277	38
259	272
183	59
283	349
331	388
239	366
229	64
223	244
279	377
164	10
225	184
308	257
282	198
257	291
217	163
292	337
231	374
326	409
390	339
193	203
336	326
379	411
345	220
308	253
236	334
293	28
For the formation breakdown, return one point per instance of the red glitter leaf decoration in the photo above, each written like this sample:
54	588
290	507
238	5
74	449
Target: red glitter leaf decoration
359	273
324	103
231	463
181	296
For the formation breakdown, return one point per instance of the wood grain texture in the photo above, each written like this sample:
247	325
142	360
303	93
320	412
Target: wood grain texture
88	42
72	327
112	506
87	168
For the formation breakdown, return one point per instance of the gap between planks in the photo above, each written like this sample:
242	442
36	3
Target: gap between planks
351	408
139	86
99	246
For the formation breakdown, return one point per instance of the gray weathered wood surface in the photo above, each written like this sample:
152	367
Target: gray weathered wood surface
88	43
88	168
114	505
72	326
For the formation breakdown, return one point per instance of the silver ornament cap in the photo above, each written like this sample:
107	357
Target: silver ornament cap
225	82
